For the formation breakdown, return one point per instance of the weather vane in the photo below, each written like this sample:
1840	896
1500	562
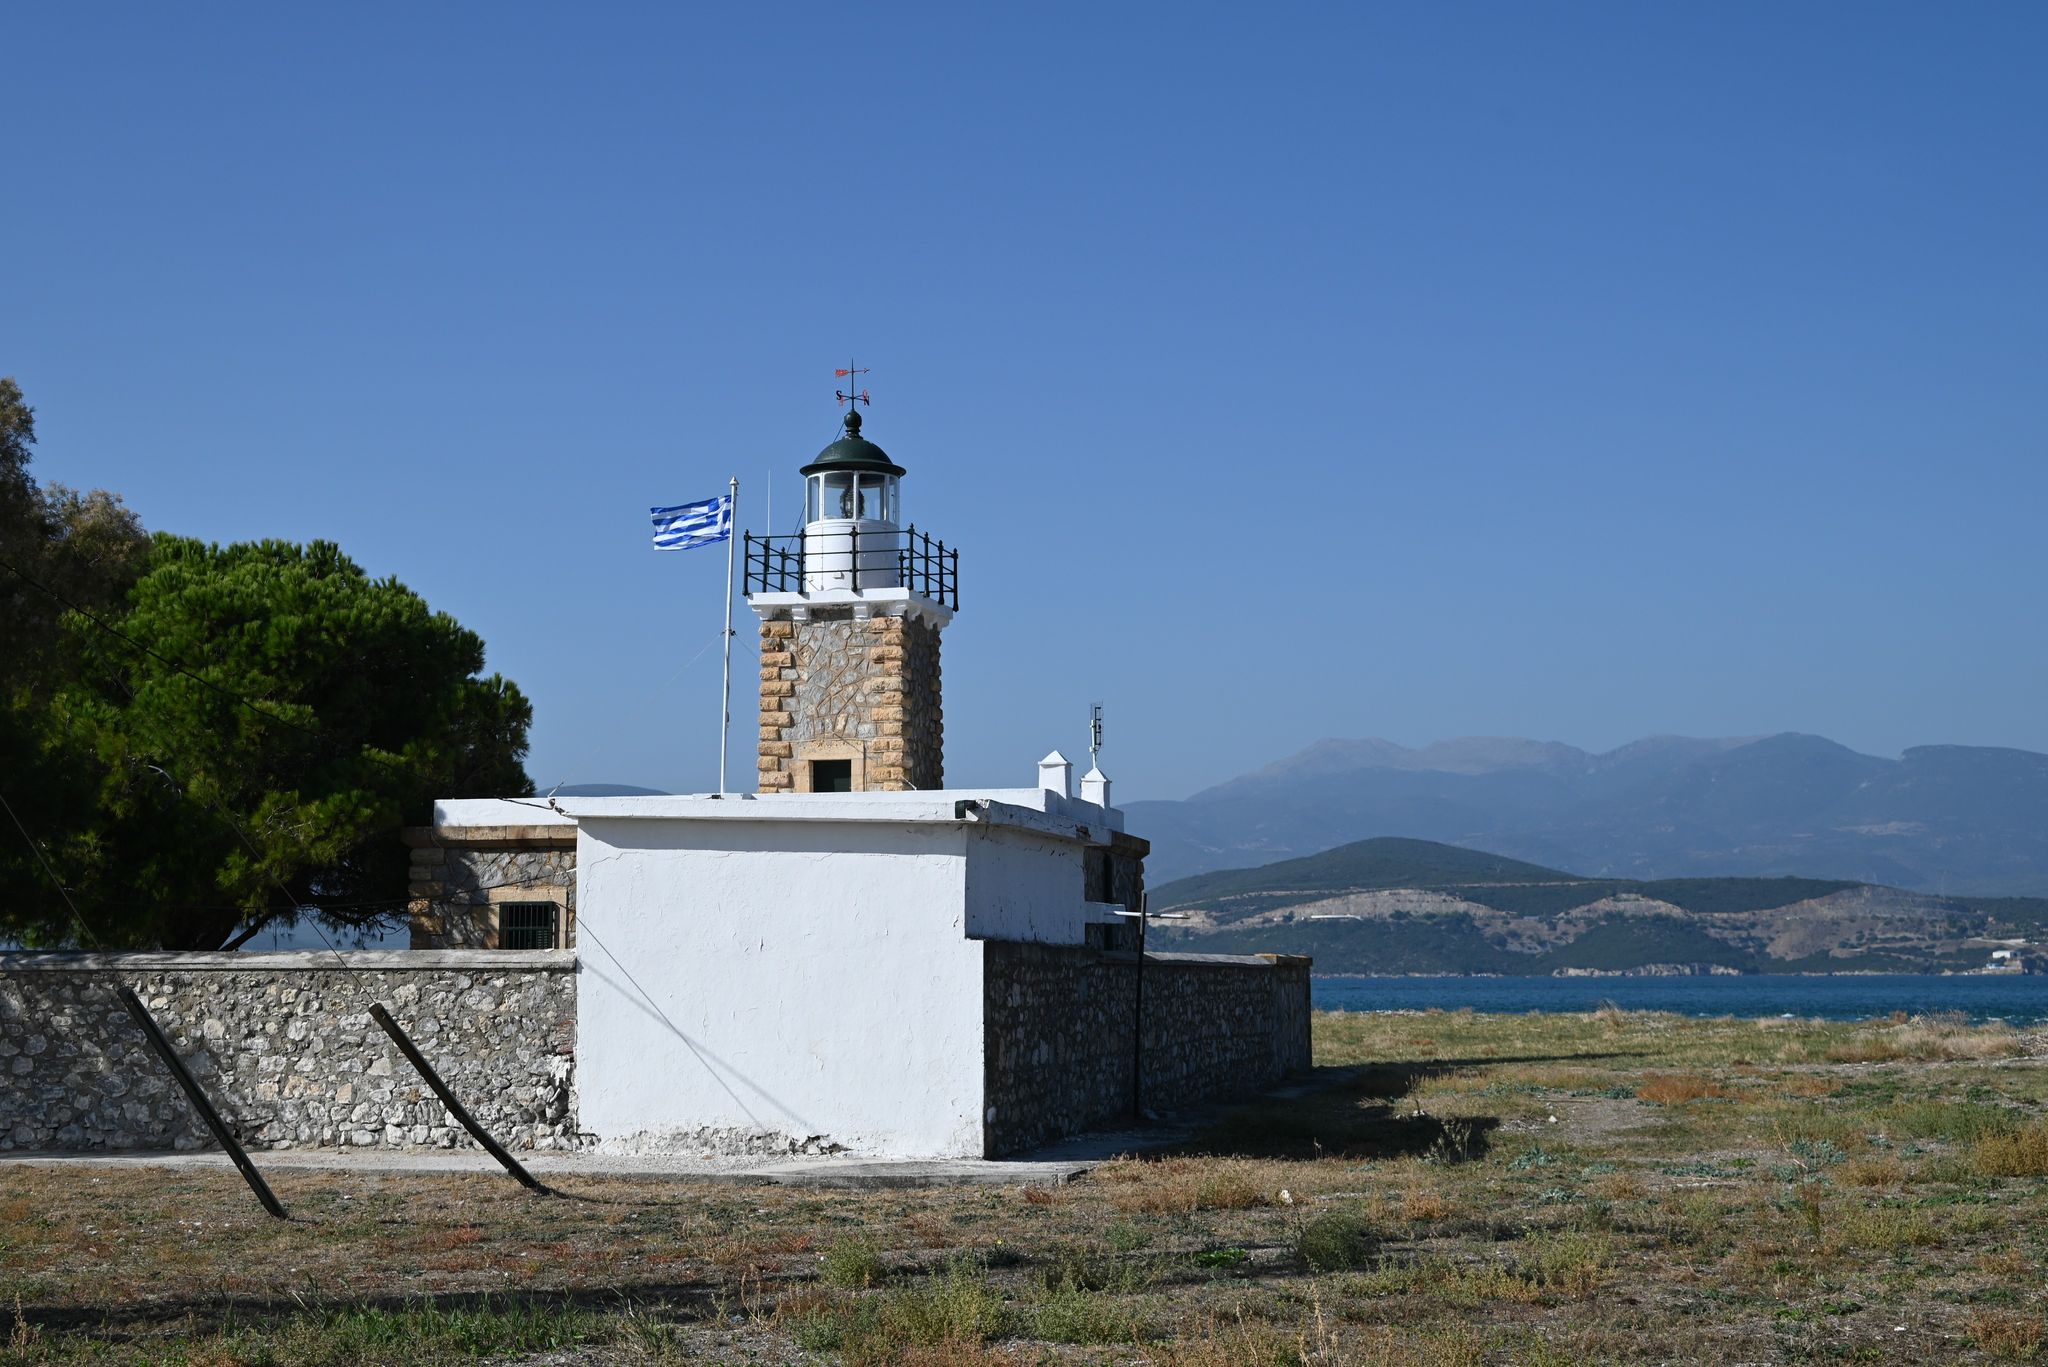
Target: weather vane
851	395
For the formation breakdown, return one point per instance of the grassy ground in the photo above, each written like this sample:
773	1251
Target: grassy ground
1541	1189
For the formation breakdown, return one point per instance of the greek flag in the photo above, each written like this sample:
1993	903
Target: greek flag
693	524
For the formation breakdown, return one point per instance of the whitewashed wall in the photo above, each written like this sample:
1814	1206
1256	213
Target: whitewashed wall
1026	885
784	983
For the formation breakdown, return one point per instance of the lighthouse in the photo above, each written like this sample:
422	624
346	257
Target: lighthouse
851	609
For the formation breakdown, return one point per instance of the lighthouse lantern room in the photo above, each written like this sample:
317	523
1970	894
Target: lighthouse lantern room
851	609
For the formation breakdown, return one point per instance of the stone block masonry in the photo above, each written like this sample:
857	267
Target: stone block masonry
864	690
1058	1051
461	876
285	1047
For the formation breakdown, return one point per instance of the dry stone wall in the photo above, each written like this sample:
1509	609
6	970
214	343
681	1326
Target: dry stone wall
1058	1034
284	1046
869	688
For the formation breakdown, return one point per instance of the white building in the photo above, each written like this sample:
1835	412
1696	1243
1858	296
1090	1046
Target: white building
855	957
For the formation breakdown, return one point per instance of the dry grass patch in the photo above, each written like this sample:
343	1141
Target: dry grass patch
1674	1089
1179	1186
1927	1038
2023	1153
1425	1205
2007	1334
1617	1186
2007	1263
1882	1171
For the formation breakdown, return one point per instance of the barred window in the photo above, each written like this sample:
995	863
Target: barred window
526	925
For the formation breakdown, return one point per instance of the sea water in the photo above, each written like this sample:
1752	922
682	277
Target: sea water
2021	999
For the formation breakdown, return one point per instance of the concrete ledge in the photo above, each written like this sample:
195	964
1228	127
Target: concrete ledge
842	1173
1154	956
554	837
293	961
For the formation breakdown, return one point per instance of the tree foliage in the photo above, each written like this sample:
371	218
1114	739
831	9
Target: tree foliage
223	734
84	548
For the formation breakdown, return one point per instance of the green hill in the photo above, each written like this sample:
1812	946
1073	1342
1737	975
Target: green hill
1382	862
1491	880
1393	905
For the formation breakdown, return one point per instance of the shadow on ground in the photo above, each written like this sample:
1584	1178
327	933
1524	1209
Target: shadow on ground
1355	1113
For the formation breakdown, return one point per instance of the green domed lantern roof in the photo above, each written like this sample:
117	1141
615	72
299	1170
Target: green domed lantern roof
853	452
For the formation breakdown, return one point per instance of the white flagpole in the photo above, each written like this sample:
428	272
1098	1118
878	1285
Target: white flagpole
725	725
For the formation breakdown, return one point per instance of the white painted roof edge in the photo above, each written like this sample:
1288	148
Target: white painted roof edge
1032	808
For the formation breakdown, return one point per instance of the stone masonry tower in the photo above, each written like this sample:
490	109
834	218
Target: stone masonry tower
851	609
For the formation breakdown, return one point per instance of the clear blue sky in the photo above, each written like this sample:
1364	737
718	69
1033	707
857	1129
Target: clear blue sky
1572	371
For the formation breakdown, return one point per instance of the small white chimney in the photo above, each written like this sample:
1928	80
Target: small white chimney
1095	787
1056	775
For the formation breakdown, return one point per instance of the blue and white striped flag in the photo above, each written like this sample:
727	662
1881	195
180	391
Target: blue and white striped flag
693	524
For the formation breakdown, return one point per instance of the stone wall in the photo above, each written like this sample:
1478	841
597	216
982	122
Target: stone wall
284	1046
461	875
838	687
1058	1034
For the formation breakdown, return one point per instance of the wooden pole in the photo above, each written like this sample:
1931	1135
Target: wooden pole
161	1044
455	1108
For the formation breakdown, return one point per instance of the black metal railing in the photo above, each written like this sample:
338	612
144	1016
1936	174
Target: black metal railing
906	559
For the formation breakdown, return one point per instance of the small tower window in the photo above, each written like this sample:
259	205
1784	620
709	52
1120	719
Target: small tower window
831	775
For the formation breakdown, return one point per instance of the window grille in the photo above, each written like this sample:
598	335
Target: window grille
526	925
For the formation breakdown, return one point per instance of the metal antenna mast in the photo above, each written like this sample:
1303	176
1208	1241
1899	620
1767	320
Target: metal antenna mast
1094	734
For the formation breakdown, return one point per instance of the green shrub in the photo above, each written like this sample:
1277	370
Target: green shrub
1070	1268
1335	1243
1072	1315
1955	1121
852	1263
953	1306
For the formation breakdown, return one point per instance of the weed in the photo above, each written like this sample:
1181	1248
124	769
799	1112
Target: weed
1124	1236
956	1305
1814	1154
1074	1315
1570	1262
1886	1171
852	1263
1955	1121
423	1330
2008	1264
1805	1202
1457	1141
1885	1229
1335	1242
1073	1268
21	1335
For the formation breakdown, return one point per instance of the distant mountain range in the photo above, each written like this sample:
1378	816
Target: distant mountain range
1940	818
1392	906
